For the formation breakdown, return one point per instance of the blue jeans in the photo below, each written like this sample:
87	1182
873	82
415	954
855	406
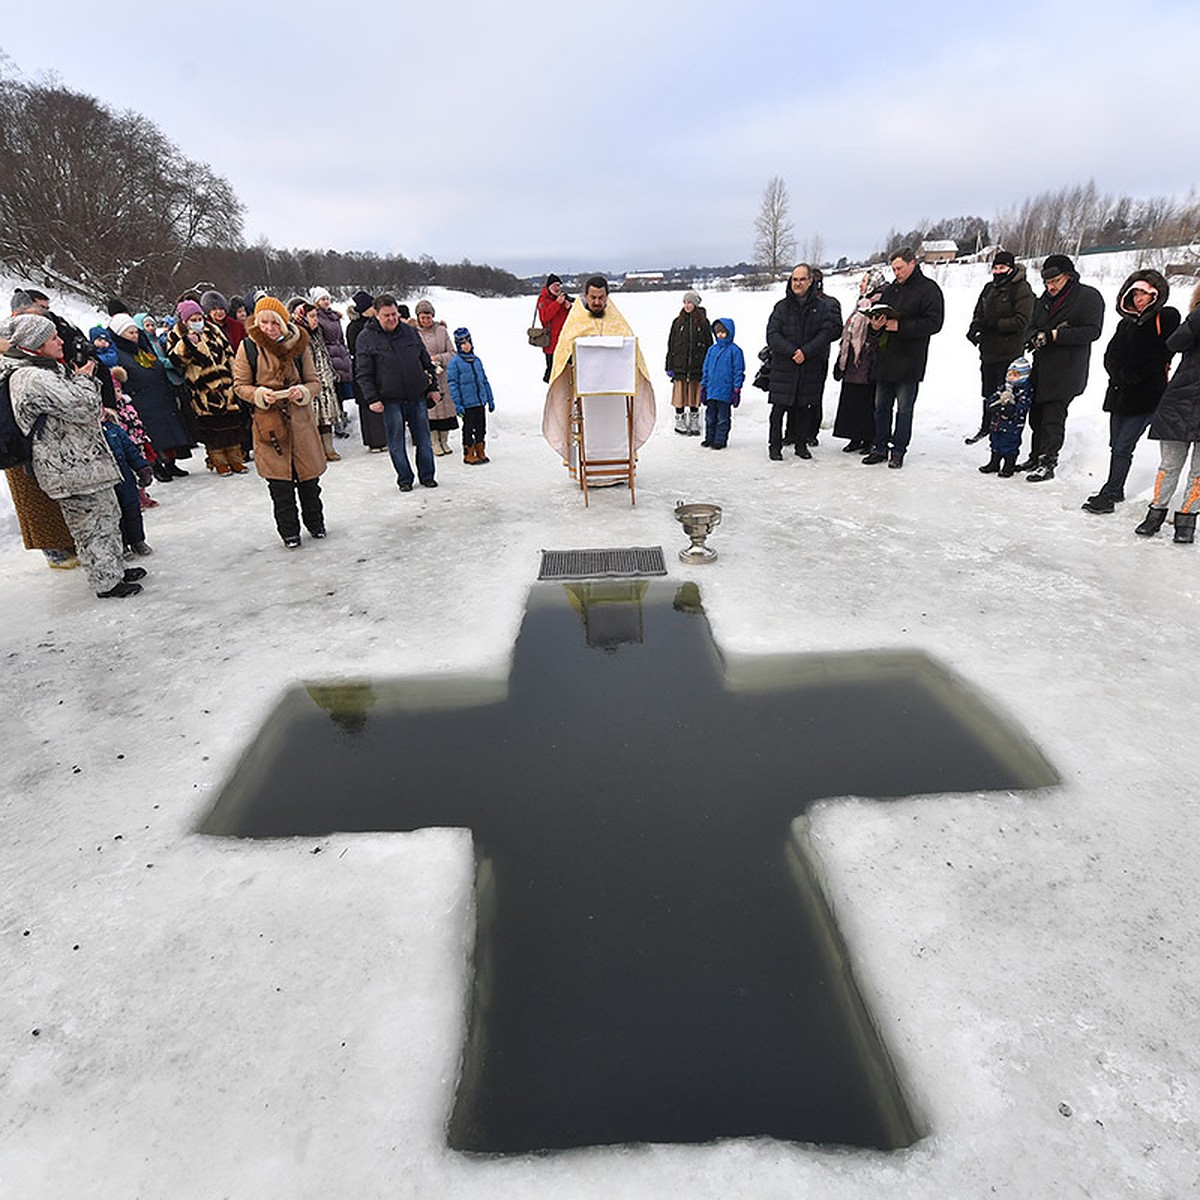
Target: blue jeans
415	415
1124	433
903	396
718	415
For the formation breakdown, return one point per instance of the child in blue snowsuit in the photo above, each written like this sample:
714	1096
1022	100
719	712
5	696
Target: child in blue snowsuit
134	470
1007	409
470	391
721	383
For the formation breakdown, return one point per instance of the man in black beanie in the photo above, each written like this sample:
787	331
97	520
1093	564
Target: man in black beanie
1067	319
998	327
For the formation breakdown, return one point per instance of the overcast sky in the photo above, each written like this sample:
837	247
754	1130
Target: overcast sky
633	134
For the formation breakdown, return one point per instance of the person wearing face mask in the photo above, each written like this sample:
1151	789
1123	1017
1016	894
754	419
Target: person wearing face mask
274	372
998	324
202	354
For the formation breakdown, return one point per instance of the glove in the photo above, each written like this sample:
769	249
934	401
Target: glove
974	335
737	398
491	406
671	375
703	393
1002	399
838	373
1040	339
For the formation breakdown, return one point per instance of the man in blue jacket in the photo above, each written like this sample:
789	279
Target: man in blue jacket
914	312
396	375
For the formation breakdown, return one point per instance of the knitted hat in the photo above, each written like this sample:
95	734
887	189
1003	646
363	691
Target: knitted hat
424	306
1057	264
1020	367
270	304
213	299
98	331
462	334
189	308
692	298
116	305
23	298
317	294
121	322
30	331
1004	258
363	301
552	279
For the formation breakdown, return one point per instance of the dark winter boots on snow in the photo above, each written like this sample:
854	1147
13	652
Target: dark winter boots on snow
1153	522
1185	527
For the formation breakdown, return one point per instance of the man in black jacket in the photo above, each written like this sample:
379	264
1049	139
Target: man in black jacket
998	328
915	312
396	377
1067	319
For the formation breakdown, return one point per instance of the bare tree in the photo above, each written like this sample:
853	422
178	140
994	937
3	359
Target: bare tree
775	239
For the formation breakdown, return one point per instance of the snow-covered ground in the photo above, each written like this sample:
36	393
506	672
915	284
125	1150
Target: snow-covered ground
186	1016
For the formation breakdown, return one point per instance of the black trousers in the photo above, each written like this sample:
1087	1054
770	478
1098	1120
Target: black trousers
803	421
1048	424
283	498
474	425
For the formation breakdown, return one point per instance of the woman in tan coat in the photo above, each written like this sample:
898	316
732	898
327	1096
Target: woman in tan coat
442	418
274	372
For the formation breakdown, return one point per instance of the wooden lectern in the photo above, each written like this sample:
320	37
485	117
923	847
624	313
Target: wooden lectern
602	412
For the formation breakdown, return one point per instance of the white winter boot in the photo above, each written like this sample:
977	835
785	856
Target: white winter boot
694	422
681	421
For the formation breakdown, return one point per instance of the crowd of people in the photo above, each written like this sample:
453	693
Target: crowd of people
96	417
88	421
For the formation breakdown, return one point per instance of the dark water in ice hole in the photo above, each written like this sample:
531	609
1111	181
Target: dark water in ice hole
655	960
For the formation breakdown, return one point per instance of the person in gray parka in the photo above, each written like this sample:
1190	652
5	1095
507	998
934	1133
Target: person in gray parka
72	463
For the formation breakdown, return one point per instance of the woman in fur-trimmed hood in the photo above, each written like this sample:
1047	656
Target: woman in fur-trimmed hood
201	352
1137	359
274	372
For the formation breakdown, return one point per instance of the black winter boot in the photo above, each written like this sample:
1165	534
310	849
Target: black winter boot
992	466
1008	466
1153	522
1185	527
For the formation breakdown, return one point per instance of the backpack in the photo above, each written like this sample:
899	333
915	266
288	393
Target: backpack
16	446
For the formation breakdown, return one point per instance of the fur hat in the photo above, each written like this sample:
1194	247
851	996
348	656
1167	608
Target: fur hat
120	322
317	294
213	299
189	308
692	298
1057	264
1004	258
363	301
30	331
270	304
462	334
1020	367
115	305
423	306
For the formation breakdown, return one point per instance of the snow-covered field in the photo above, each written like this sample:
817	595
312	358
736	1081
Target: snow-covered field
186	1016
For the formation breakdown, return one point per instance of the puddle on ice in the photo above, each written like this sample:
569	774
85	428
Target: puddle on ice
654	958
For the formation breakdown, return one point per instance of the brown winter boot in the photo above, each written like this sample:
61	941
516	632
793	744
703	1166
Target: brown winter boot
220	462
331	455
233	456
469	454
480	453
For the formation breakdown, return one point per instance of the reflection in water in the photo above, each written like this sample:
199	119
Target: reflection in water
346	703
655	959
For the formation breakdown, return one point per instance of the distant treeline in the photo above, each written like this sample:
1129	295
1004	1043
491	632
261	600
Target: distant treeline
100	203
1070	220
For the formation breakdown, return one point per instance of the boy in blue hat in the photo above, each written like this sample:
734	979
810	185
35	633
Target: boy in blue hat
721	383
470	391
1008	408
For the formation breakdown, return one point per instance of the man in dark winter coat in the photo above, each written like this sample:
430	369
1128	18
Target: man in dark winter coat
394	376
1067	319
914	312
1137	360
800	330
998	326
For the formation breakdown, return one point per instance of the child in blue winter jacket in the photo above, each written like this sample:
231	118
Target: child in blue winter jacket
135	470
721	383
1007	409
470	391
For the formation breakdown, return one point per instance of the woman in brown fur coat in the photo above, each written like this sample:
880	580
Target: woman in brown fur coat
201	352
274	371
